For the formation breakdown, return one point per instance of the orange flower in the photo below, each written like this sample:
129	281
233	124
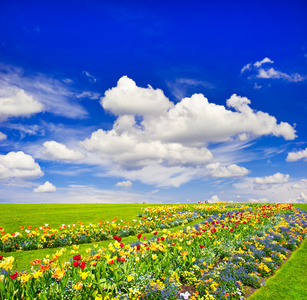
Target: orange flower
77	286
36	262
43	268
58	274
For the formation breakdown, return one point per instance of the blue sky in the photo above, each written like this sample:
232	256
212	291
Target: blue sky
161	101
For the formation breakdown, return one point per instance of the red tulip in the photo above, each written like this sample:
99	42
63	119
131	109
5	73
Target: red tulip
13	276
76	264
77	257
82	265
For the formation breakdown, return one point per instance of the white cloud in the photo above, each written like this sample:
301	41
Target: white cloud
302	184
260	200
196	121
256	86
214	199
90	77
294	156
218	171
181	86
78	194
125	184
89	95
19	165
171	135
59	151
265	60
277	178
47	187
3	136
129	152
157	175
278	188
24	129
33	93
270	73
302	198
15	102
246	67
127	98
275	74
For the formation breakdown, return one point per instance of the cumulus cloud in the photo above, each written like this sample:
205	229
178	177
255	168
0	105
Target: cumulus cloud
214	199
151	131
128	98
58	151
258	71
302	198
47	187
196	121
130	152
26	94
276	188
295	156
15	102
125	184
3	136
218	171
277	178
302	184
19	165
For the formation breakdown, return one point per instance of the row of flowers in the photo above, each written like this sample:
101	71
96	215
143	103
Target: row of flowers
218	257
153	218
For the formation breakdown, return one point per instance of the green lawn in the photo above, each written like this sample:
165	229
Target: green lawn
290	281
15	215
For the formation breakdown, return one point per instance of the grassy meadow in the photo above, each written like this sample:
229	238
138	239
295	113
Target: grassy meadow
288	283
35	215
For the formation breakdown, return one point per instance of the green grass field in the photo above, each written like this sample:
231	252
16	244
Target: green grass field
289	282
15	215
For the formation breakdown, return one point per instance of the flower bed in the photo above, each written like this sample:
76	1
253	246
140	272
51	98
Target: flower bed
46	237
218	257
152	218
